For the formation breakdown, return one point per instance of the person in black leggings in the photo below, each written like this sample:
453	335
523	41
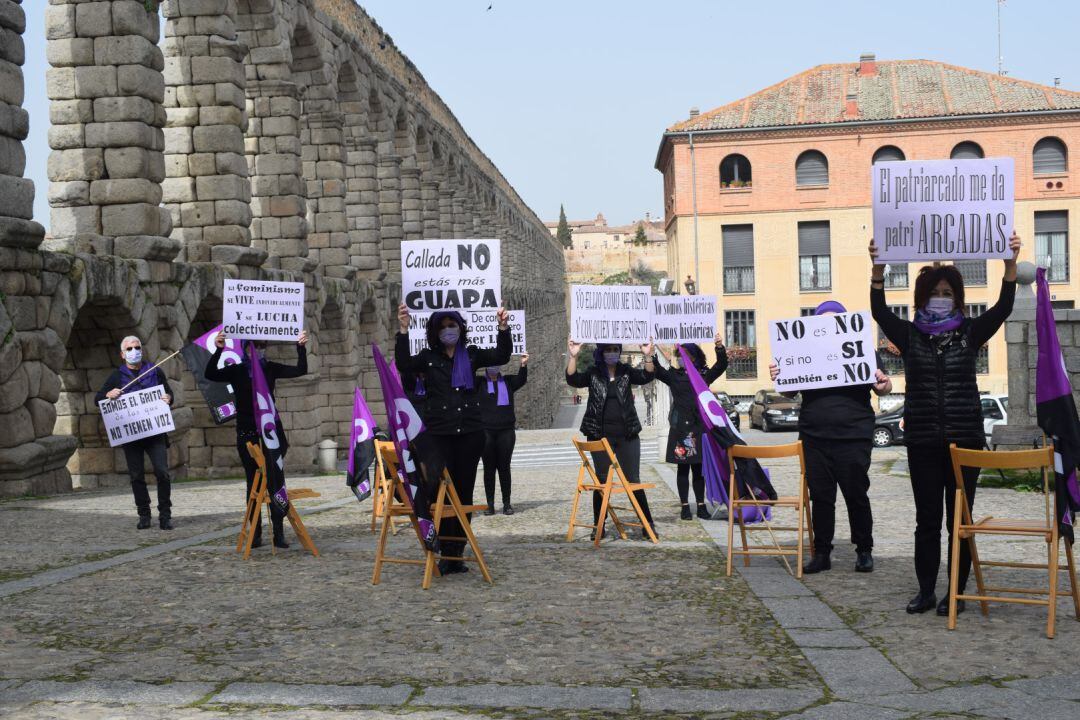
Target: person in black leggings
610	413
452	414
497	412
684	420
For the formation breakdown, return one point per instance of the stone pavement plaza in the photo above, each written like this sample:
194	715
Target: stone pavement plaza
98	620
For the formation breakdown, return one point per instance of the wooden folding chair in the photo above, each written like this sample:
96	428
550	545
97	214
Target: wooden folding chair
616	483
965	529
382	489
259	497
799	502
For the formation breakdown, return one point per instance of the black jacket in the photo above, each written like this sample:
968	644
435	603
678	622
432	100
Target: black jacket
450	410
237	376
493	415
116	381
684	417
592	425
941	401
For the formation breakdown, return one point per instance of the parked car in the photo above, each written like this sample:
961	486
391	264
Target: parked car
729	407
889	428
995	411
770	410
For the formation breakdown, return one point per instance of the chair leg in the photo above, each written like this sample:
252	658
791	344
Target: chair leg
745	545
645	524
380	548
799	542
954	560
976	567
730	533
602	517
1053	569
573	512
1072	579
470	537
429	556
809	519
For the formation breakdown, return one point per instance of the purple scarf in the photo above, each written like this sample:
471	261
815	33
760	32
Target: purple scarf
932	323
462	374
504	395
149	380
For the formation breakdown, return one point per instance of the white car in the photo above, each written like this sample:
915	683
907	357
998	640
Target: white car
995	411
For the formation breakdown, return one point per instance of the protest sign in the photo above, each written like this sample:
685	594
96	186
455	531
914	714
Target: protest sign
823	351
483	326
943	209
136	414
451	274
219	396
610	313
263	309
683	318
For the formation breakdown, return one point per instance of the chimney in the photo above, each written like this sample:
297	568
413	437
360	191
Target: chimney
694	112
867	65
851	106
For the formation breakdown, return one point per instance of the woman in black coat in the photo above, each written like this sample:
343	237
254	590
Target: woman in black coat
610	412
452	414
941	401
497	411
684	420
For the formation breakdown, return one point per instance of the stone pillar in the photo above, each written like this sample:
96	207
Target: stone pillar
324	168
206	189
461	217
446	210
107	165
362	208
429	197
412	225
17	226
390	220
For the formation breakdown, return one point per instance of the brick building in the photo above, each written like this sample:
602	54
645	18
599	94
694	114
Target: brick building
597	234
781	180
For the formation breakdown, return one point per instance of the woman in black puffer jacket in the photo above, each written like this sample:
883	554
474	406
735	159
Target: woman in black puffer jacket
610	412
941	404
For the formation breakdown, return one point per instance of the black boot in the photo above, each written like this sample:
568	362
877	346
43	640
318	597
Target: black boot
144	522
490	507
943	607
921	603
819	563
864	561
592	535
702	512
165	522
508	509
685	514
279	538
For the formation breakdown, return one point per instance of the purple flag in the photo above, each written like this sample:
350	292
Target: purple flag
219	396
361	448
415	456
719	435
271	435
1055	409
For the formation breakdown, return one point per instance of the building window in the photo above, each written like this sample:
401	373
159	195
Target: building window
741	343
966	150
974	271
982	357
1049	156
814	256
1052	244
889	359
807	312
1062	304
896	276
616	238
811	168
888	153
738	249
735	171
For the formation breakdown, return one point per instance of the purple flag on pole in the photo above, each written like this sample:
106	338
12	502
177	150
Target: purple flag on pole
271	434
219	396
1055	409
361	448
719	435
415	456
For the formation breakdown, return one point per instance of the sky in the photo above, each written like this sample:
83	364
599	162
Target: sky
569	98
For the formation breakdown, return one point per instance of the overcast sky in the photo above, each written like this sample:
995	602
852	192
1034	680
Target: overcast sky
569	97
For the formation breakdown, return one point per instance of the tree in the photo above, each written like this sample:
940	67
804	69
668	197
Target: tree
563	233
639	236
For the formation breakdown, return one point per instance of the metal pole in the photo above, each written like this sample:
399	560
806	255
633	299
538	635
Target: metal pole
1001	59
693	196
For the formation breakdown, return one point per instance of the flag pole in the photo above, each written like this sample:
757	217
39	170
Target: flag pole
148	371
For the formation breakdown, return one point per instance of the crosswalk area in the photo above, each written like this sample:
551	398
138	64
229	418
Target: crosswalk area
562	454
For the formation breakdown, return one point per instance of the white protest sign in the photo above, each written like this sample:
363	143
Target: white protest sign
263	309
136	414
943	209
610	313
483	326
451	274
684	318
823	351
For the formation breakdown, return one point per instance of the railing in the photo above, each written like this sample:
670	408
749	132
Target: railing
891	364
739	279
974	271
897	277
1057	267
815	275
742	368
982	361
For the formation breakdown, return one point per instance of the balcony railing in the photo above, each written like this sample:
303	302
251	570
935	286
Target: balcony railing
897	277
974	271
742	368
814	274
1057	267
739	279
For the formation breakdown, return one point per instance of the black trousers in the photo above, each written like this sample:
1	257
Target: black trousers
498	449
462	456
682	481
628	453
158	450
250	466
844	464
931	479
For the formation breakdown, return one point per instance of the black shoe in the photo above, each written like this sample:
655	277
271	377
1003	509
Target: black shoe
508	509
686	514
256	542
819	563
165	523
279	540
864	562
943	607
144	522
921	603
702	512
444	567
490	508
458	566
645	534
592	535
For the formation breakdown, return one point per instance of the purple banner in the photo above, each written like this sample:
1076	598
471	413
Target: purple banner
361	448
943	209
271	436
219	396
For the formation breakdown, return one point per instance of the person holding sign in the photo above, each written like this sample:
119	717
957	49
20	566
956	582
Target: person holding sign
836	426
452	416
239	376
684	420
610	413
942	400
136	374
497	410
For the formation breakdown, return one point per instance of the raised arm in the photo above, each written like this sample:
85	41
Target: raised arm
573	377
226	374
644	374
406	362
498	355
516	382
895	328
984	326
720	365
282	371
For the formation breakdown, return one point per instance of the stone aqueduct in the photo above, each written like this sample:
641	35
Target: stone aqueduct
277	139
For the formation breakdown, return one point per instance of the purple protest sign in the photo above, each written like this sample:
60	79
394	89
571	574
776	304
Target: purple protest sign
943	209
361	448
270	435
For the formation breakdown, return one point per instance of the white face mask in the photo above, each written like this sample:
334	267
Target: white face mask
133	356
940	305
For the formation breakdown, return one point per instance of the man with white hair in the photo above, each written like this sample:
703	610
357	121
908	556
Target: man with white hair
136	374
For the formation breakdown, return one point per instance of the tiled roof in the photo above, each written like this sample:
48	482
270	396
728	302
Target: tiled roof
898	89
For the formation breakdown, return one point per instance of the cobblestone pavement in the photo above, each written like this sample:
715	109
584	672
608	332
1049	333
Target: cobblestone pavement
100	620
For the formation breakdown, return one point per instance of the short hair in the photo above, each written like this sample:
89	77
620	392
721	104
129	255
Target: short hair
928	279
129	337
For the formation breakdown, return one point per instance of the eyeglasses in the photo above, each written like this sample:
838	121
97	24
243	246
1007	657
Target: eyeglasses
135	347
